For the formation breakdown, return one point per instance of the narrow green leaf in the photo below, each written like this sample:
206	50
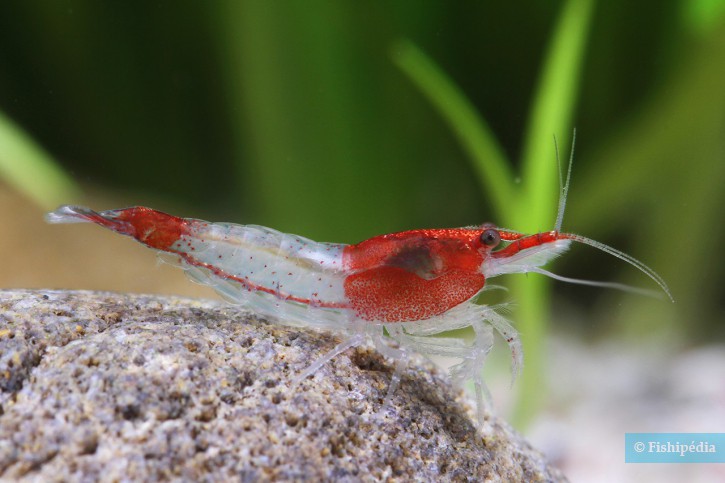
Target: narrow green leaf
489	161
551	115
32	171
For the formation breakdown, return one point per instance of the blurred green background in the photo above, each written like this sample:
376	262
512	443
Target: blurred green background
301	116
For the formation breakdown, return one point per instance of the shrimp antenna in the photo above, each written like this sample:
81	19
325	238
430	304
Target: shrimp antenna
563	188
622	256
563	193
597	283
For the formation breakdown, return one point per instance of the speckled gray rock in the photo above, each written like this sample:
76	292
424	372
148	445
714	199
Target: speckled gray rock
133	387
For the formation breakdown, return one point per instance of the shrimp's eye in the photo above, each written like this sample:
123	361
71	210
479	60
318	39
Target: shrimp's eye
490	238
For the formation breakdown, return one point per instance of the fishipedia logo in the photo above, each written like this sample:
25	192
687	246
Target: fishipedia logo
674	448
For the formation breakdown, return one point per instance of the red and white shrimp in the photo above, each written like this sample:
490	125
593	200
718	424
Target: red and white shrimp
413	284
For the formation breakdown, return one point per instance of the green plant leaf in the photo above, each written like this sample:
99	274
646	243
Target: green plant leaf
493	169
32	171
551	115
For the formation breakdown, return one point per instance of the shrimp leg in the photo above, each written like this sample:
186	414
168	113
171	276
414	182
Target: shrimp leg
352	341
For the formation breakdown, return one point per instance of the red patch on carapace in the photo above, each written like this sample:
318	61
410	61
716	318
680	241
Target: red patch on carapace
413	275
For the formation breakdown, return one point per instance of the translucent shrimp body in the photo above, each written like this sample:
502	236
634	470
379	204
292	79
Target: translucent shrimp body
412	285
280	275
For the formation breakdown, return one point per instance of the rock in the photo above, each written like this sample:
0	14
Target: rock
118	387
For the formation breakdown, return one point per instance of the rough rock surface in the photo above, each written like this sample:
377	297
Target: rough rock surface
133	387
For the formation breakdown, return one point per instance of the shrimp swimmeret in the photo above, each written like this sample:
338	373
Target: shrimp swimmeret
413	284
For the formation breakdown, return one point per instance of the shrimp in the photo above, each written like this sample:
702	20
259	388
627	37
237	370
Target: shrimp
412	285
